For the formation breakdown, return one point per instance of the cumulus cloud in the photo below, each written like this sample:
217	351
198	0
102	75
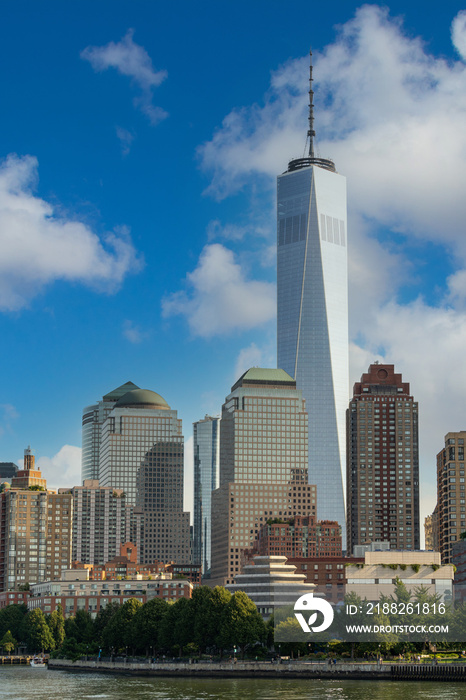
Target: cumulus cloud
39	246
133	333
427	345
219	298
132	60
458	33
63	470
391	115
255	356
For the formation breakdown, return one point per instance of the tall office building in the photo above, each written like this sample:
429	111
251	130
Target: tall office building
7	471
263	465
312	311
141	453
93	418
166	532
102	523
383	461
450	512
206	443
35	529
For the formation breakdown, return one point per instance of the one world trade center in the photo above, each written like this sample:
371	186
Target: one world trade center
312	311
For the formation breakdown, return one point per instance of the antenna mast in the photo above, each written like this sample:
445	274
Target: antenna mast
311	133
311	159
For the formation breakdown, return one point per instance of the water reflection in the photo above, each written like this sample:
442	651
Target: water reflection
23	683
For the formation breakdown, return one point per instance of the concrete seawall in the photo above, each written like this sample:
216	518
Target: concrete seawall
227	669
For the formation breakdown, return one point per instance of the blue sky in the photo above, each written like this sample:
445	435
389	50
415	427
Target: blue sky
139	145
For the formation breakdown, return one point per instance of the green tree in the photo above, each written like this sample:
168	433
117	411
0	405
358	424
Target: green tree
203	618
102	619
241	624
119	633
342	618
11	618
84	627
56	623
174	635
36	632
400	594
8	642
218	601
147	623
289	632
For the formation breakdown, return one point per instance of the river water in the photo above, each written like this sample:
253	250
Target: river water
25	683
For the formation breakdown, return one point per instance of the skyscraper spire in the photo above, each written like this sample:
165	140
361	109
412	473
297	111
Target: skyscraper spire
311	158
311	133
312	309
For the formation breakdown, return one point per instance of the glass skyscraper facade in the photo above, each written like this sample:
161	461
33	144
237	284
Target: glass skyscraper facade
312	315
206	439
141	452
94	417
263	465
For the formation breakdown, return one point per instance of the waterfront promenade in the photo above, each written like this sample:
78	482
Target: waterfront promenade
261	669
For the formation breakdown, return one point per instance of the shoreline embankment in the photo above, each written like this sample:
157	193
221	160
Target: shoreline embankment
261	669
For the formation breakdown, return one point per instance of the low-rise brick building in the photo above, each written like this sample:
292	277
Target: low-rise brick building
77	592
299	537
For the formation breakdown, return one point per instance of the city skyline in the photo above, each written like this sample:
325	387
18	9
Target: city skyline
137	203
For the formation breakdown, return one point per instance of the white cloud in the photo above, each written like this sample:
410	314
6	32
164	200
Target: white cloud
426	345
458	33
254	356
133	333
40	247
234	232
388	113
63	470
220	299
132	60
391	115
126	138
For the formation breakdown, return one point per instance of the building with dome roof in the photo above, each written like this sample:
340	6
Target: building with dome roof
141	452
93	418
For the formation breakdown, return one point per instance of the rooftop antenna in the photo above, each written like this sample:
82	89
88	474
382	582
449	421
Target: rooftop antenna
311	132
311	158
